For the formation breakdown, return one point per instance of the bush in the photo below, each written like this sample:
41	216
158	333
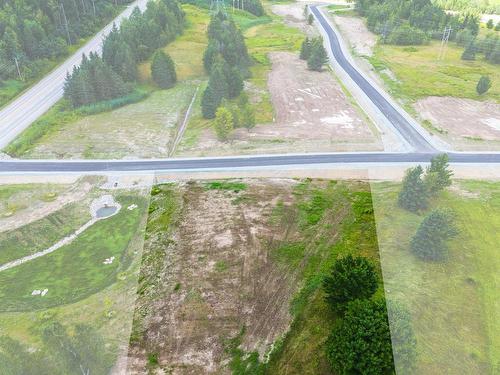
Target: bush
483	85
407	35
223	123
350	278
361	343
429	242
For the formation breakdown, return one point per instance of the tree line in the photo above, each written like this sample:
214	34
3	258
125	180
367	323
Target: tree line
32	32
412	22
115	73
227	62
251	6
471	6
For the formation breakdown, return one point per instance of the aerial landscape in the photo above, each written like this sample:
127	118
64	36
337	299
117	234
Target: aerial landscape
249	187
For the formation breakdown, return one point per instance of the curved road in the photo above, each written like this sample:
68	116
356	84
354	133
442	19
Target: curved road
400	123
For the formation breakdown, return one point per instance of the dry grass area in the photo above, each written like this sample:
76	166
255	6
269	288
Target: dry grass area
312	114
223	260
293	15
466	124
360	39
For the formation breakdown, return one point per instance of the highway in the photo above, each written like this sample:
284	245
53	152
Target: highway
228	163
34	102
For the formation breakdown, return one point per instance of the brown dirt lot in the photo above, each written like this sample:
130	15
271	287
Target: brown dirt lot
293	15
312	114
356	33
464	123
219	275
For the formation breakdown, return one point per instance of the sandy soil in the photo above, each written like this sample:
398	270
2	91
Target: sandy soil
466	124
293	15
356	33
219	257
312	115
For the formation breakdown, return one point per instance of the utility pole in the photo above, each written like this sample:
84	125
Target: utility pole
66	23
18	69
93	6
444	42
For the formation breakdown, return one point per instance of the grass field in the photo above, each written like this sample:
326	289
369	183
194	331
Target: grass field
454	305
76	270
448	77
187	50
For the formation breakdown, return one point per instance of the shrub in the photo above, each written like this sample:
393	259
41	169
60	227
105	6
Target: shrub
223	123
483	85
413	194
406	35
163	70
350	278
361	343
429	242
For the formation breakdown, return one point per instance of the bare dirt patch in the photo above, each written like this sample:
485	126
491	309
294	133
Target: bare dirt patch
312	114
293	15
464	123
361	40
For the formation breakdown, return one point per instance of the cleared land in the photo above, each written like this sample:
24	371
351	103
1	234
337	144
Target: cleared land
465	123
454	304
228	265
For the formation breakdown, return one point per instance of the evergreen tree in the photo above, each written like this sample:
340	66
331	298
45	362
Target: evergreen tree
361	342
247	117
318	56
483	85
497	27
438	175
223	123
413	194
163	70
234	81
350	278
209	103
490	24
305	49
469	53
429	242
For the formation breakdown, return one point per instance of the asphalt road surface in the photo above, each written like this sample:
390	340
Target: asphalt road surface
229	163
23	111
400	123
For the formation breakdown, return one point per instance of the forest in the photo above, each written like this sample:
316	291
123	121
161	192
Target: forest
114	75
473	6
33	32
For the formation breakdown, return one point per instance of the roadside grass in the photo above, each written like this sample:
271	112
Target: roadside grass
15	198
187	50
448	77
76	270
142	129
454	304
336	220
42	233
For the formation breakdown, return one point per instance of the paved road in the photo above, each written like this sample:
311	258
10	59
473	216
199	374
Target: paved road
229	163
24	110
400	123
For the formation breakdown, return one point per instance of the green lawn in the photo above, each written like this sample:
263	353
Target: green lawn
454	304
76	270
421	74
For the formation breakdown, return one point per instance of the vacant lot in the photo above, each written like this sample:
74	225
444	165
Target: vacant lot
467	124
454	304
140	130
312	113
229	264
361	40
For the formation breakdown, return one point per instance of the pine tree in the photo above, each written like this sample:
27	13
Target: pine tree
469	53
413	194
318	56
483	85
223	123
305	49
490	24
163	70
247	117
438	175
234	82
209	103
429	242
